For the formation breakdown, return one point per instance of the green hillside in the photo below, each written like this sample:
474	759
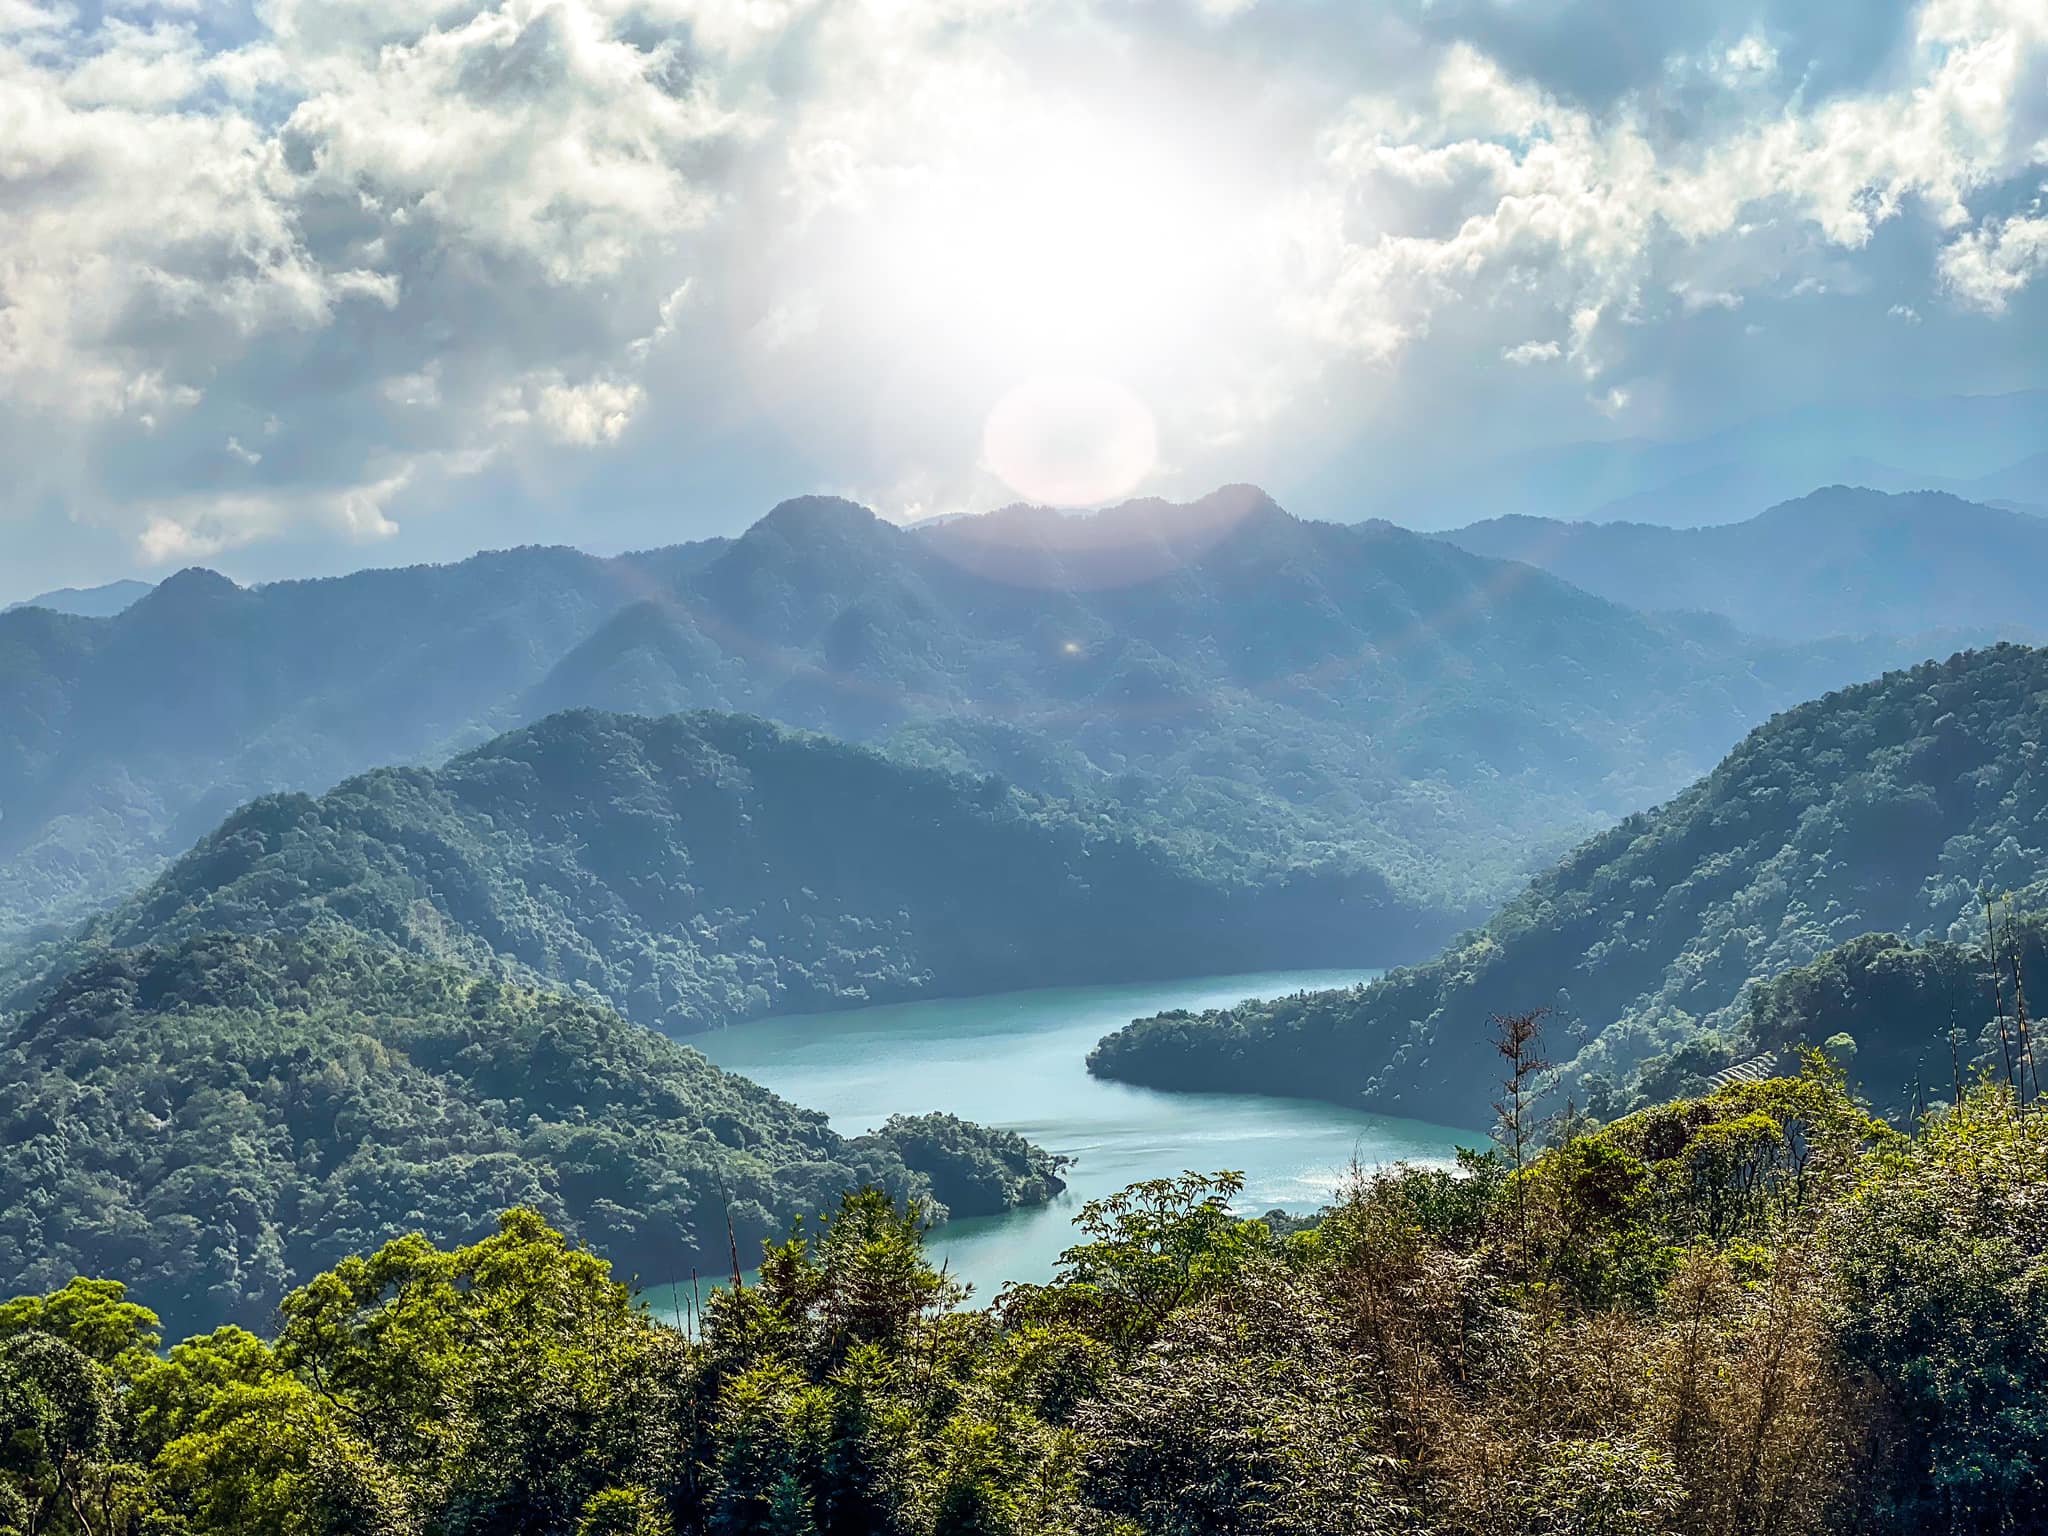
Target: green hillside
1882	808
702	868
213	1122
1909	1021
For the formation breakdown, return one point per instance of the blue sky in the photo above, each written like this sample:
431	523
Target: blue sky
303	285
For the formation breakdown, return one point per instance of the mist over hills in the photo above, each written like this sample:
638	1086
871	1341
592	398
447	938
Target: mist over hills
1887	807
1982	447
100	602
1238	681
1841	561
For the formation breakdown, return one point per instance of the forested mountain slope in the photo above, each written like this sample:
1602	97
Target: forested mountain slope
1885	807
1909	1021
214	1121
702	868
1759	1311
1841	561
1266	690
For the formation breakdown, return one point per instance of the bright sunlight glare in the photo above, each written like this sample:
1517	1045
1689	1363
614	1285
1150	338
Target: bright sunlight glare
1070	441
1062	267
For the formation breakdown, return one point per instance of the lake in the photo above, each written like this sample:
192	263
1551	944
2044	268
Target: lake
1018	1061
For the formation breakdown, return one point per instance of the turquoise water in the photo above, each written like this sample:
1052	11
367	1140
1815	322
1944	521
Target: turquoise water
1017	1061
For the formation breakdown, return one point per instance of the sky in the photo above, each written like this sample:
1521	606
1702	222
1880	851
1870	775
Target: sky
298	286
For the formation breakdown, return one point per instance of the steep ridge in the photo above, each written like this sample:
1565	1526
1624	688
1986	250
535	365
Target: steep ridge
1886	807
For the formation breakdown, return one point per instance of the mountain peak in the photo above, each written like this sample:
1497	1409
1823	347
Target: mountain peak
192	586
813	517
1133	541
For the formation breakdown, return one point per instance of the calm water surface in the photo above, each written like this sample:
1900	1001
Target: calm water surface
1017	1061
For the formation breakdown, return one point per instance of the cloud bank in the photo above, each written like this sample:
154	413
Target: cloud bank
392	277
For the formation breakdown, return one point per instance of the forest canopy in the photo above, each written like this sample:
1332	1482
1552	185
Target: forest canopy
1760	1310
214	1122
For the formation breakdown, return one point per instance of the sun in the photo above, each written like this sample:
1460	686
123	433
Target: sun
1057	264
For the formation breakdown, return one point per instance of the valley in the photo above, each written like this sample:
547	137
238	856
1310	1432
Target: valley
1045	767
1050	933
1023	768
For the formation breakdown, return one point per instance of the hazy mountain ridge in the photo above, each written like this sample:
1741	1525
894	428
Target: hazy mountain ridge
122	740
100	602
1986	447
1275	684
1842	561
1879	808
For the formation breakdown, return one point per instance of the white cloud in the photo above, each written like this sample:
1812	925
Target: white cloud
1753	55
588	414
1988	265
396	243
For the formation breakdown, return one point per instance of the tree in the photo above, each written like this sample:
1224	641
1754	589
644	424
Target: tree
1152	1247
94	1317
59	1436
1517	1038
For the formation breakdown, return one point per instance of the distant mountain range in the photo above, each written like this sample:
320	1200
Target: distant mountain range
1885	808
101	602
1246	685
1841	561
1991	448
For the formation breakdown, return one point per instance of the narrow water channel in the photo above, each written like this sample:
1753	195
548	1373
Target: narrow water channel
1017	1061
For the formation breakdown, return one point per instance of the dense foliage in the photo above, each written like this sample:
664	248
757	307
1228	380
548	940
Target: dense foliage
1758	1312
1885	807
702	868
214	1122
1908	1021
1842	561
1273	692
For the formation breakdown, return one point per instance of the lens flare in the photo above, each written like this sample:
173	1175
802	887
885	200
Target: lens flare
1070	441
